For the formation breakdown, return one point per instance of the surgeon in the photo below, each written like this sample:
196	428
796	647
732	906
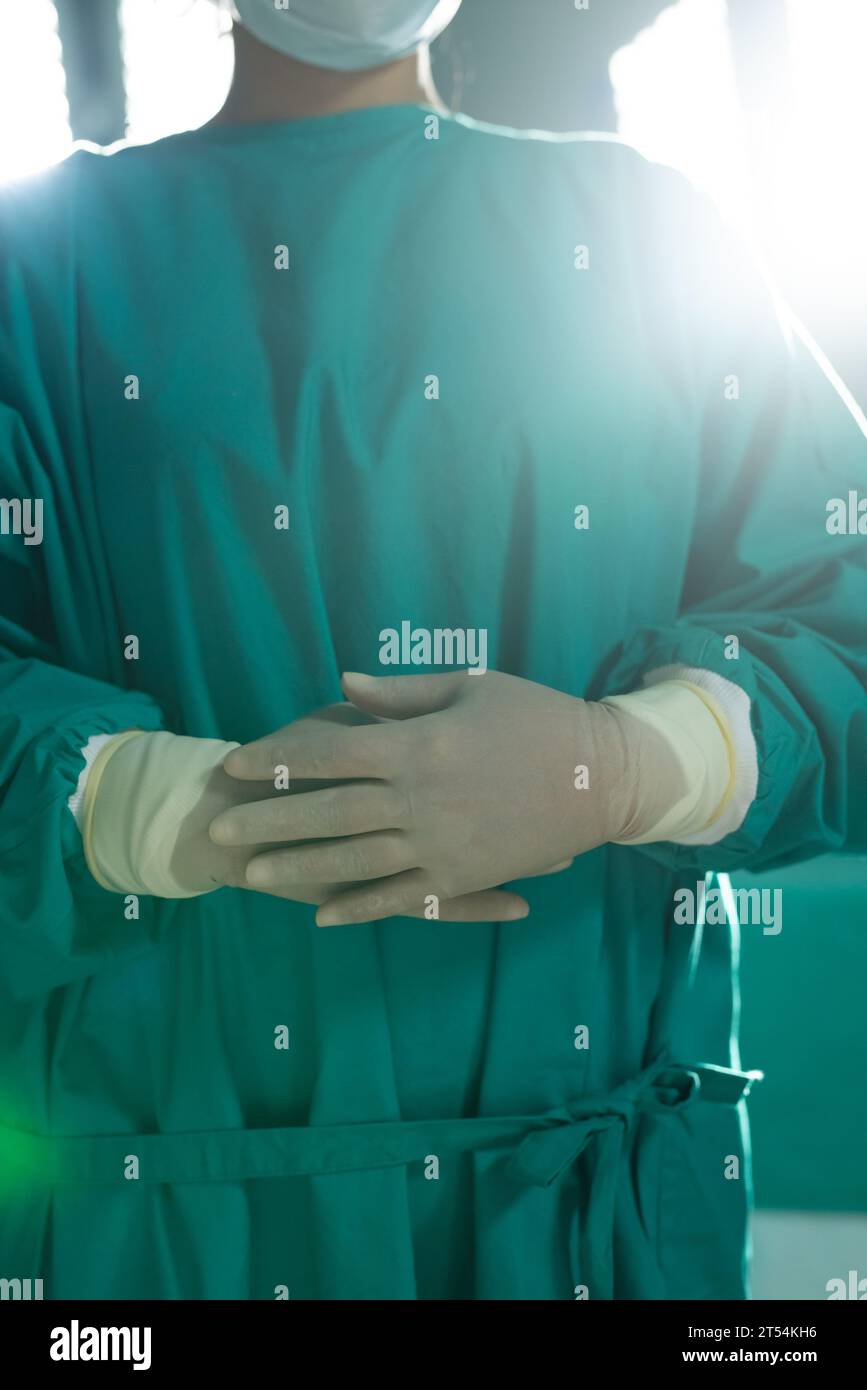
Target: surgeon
447	556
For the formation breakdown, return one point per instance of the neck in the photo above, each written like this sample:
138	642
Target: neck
268	86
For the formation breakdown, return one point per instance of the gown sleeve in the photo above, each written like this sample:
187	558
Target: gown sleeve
56	924
773	599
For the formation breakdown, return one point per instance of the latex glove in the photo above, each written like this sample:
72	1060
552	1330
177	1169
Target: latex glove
148	811
471	783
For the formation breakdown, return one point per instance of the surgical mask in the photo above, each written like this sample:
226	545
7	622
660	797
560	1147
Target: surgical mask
346	35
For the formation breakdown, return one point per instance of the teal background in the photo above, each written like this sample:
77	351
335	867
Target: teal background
804	1024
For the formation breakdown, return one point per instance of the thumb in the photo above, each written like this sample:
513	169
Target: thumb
401	697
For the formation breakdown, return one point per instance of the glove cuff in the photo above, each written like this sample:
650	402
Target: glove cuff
141	789
697	737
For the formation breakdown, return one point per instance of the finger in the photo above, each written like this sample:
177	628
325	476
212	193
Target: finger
361	857
409	895
553	869
402	697
309	893
310	749
338	713
353	809
492	905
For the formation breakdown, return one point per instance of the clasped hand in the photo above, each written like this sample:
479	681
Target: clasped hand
458	783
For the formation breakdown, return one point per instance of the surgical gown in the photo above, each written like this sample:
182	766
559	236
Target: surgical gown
281	387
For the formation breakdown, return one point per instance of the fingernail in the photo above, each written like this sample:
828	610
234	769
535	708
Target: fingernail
220	831
259	874
326	918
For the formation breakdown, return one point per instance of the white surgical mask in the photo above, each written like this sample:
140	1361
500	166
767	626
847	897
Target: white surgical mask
345	34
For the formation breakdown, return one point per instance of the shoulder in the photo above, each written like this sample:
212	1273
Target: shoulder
594	178
43	214
571	156
40	215
35	208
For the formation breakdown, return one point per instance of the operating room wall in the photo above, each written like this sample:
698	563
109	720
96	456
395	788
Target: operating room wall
803	1024
548	65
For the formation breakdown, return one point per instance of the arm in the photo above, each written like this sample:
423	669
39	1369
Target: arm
56	923
765	568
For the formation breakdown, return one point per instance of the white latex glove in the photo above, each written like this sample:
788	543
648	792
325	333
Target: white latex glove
150	800
471	782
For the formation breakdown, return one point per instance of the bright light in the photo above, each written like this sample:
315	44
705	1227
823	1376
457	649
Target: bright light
178	65
34	117
791	173
677	99
817	196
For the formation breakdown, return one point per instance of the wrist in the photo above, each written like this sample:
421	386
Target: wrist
147	810
600	803
681	755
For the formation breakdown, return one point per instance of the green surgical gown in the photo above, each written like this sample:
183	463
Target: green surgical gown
430	352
